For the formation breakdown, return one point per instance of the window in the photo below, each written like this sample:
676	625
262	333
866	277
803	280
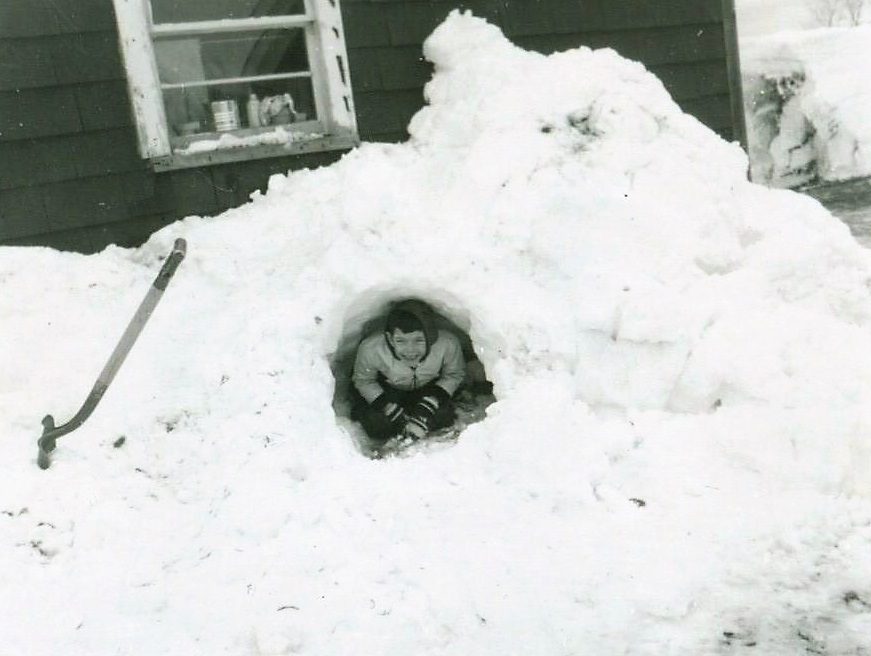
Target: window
221	80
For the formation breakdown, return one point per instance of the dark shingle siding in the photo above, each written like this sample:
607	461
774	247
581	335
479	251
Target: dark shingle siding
82	202
402	68
635	14
694	79
365	70
87	57
21	164
92	238
26	18
141	197
386	112
527	18
104	105
21	212
103	152
651	46
30	162
365	25
410	24
78	16
38	113
714	111
25	63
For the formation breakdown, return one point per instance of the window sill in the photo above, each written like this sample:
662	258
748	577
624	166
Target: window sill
185	159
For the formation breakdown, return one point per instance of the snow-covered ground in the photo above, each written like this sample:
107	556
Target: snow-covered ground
678	462
807	96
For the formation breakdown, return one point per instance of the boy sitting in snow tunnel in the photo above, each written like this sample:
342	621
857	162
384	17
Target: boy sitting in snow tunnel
407	375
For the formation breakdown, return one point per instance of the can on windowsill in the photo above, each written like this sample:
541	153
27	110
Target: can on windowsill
226	115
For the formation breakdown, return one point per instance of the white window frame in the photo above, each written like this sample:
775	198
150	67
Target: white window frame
328	61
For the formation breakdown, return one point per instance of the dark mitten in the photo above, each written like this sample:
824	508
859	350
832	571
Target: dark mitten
386	405
438	392
423	411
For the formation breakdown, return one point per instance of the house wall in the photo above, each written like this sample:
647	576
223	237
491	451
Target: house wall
70	173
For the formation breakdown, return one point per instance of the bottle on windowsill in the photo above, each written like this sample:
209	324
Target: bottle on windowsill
253	111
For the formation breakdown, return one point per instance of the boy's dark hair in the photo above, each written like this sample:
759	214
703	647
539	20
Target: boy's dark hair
406	321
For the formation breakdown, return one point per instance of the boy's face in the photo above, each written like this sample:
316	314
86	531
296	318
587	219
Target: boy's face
409	347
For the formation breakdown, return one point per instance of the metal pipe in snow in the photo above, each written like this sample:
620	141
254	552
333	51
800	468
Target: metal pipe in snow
50	432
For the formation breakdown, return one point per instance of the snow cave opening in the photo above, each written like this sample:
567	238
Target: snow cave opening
367	315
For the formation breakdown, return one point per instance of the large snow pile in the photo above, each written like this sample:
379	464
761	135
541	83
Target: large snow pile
677	463
807	96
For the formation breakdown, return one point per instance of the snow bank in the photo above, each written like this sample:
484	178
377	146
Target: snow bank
677	461
807	96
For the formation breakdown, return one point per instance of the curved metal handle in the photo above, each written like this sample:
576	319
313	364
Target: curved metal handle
50	433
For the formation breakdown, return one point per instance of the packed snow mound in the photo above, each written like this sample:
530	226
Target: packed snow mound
808	95
677	461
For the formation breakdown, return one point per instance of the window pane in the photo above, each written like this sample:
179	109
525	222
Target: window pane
182	11
189	110
230	55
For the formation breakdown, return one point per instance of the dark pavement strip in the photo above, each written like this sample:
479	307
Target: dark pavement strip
850	201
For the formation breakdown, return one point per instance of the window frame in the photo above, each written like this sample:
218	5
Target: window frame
335	127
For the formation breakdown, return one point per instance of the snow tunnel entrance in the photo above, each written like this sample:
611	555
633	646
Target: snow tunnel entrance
366	318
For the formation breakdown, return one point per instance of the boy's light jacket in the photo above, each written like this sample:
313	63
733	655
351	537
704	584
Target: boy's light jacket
443	364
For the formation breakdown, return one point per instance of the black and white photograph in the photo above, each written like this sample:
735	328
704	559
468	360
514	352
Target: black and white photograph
435	327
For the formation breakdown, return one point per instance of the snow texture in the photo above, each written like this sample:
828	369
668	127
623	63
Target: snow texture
276	137
677	463
807	98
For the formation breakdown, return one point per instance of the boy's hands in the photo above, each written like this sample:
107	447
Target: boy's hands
414	431
420	416
394	412
415	421
390	409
